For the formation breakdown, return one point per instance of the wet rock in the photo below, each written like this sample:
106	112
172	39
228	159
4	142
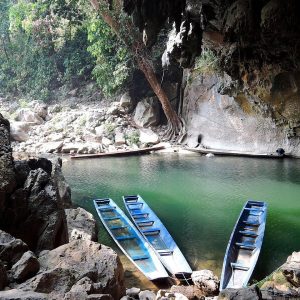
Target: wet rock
147	136
147	295
62	267
19	131
3	276
206	281
250	293
81	224
291	269
11	249
133	292
147	113
26	267
190	291
16	294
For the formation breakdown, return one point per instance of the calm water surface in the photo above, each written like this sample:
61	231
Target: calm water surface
199	199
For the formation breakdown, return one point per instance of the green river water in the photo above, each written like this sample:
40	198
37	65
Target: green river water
199	199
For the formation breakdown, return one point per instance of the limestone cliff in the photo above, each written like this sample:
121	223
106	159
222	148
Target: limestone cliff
252	101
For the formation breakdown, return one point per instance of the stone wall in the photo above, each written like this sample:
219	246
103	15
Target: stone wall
240	122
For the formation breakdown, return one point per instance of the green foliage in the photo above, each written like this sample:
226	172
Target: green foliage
112	59
207	62
110	128
133	137
41	49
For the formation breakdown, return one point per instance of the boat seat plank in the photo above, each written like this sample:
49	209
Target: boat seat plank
151	231
145	223
255	208
252	223
246	246
165	252
139	214
140	257
118	227
102	201
108	208
134	204
239	266
248	233
111	218
125	237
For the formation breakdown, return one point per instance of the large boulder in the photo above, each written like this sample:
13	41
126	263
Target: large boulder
190	291
11	249
27	115
81	224
249	293
26	267
50	147
147	113
147	136
36	208
41	109
126	102
19	131
119	138
206	281
291	269
16	294
65	266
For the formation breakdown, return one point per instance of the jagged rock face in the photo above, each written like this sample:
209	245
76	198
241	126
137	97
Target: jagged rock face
239	122
7	175
32	199
151	16
78	267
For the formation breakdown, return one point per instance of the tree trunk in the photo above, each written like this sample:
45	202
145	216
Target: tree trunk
176	128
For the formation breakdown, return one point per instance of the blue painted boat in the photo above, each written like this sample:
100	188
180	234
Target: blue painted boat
129	240
157	235
244	245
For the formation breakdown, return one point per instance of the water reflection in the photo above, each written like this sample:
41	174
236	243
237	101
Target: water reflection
199	199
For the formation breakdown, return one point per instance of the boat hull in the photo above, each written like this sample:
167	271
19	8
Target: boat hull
158	236
244	245
129	240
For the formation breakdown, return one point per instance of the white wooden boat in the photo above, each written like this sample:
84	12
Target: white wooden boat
158	236
129	239
244	245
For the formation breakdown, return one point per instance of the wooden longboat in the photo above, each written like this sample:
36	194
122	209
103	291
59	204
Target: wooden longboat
244	245
119	153
236	153
129	239
158	236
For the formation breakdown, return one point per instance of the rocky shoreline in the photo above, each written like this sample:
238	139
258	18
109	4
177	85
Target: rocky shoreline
76	127
49	250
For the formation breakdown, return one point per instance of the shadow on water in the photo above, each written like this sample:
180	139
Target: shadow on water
199	200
